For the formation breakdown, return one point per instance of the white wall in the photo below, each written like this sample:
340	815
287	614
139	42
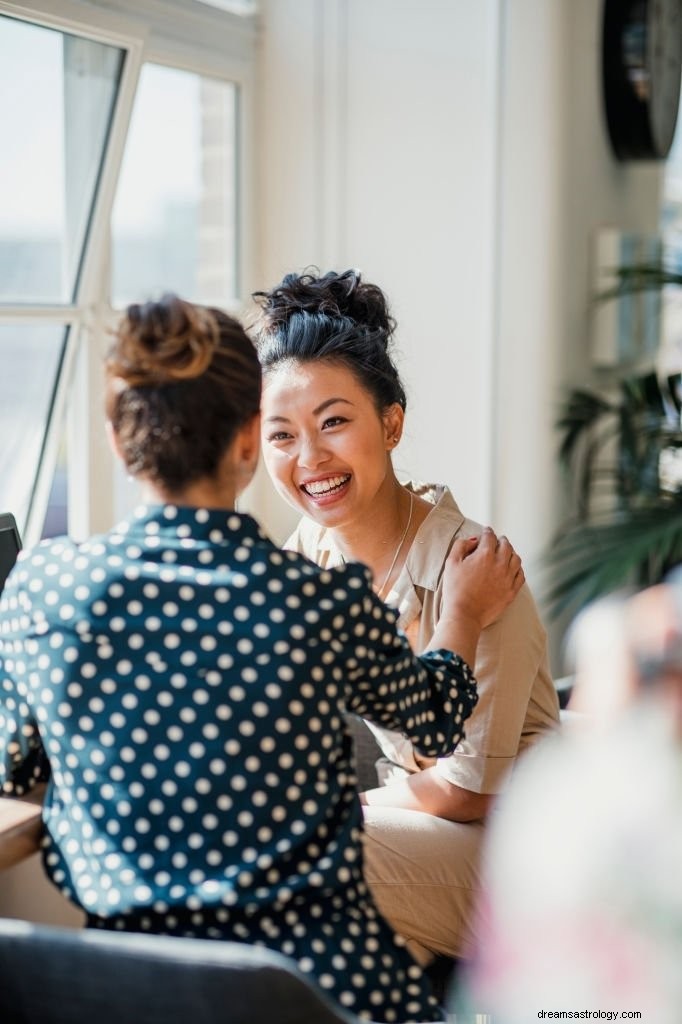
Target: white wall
559	184
379	146
455	151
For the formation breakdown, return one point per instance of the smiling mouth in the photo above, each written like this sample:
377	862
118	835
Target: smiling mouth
317	488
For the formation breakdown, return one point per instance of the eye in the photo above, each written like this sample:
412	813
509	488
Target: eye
279	435
334	421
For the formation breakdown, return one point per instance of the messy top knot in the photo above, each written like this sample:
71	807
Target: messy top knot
337	295
337	317
181	380
164	341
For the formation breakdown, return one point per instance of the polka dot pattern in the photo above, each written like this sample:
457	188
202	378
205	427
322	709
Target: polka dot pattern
181	682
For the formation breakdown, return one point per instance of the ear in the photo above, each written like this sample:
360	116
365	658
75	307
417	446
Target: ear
112	438
246	449
393	419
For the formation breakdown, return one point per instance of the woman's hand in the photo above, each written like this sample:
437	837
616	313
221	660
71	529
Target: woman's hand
481	577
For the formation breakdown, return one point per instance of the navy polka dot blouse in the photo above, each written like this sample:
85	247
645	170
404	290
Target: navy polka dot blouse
181	683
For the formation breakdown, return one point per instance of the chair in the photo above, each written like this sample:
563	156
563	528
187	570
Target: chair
366	751
564	689
64	976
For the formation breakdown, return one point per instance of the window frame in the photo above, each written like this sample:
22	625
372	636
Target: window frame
205	41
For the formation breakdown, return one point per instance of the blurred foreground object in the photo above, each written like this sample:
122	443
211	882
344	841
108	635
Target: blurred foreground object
583	906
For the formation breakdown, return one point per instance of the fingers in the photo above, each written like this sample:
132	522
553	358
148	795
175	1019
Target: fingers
488	538
515	561
492	542
463	547
504	551
491	547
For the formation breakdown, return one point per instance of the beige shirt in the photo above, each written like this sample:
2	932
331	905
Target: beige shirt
517	698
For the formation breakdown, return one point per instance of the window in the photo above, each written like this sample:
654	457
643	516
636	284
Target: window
62	89
671	227
31	357
78	137
57	94
174	219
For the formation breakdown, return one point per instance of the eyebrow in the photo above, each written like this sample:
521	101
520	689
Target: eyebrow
316	412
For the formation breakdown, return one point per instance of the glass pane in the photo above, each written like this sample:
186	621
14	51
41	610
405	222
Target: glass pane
671	218
174	223
56	97
56	520
31	354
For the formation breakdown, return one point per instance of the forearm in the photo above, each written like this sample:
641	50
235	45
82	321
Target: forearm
429	792
459	633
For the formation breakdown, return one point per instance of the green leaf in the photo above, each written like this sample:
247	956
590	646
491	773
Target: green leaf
636	546
639	278
581	412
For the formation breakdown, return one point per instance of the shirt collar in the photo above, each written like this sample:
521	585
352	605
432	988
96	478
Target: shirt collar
216	525
424	562
429	549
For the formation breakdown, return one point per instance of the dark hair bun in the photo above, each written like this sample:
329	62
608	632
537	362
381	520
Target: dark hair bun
336	295
164	342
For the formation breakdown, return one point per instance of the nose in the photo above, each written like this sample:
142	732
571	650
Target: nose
312	452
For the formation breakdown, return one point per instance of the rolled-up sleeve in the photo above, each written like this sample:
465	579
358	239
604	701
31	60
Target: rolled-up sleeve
428	697
517	700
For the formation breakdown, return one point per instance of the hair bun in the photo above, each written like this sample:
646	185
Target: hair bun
343	295
163	342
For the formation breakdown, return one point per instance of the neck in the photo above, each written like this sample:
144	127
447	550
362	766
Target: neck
375	543
210	494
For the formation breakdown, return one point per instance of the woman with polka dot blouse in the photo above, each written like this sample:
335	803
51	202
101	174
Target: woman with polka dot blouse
180	684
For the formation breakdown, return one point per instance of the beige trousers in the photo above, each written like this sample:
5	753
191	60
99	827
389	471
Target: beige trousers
424	874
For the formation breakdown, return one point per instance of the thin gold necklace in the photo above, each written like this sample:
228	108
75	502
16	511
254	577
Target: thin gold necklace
387	577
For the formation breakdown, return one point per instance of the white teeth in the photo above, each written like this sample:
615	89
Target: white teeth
325	486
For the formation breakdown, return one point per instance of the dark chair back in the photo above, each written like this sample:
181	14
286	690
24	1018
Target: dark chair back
65	976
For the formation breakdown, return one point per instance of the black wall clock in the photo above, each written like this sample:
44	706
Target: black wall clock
642	66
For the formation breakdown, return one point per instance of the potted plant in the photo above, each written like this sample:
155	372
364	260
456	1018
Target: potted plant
622	451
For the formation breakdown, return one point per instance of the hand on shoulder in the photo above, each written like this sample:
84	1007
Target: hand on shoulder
481	577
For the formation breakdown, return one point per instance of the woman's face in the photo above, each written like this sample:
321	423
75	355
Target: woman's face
324	443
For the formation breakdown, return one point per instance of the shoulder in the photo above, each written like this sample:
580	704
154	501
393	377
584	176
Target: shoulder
436	535
322	598
520	621
447	520
46	557
296	566
446	517
40	581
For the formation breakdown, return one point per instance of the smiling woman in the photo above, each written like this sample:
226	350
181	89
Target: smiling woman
333	412
325	445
